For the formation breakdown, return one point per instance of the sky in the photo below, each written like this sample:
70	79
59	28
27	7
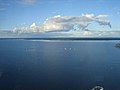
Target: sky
19	13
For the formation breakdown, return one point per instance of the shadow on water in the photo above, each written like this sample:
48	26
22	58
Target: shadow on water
1	73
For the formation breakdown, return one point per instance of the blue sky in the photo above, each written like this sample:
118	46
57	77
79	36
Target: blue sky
18	13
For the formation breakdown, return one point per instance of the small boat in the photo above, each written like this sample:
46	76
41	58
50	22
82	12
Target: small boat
98	88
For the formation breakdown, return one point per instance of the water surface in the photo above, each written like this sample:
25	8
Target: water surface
59	65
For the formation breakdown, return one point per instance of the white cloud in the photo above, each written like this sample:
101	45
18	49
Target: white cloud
29	29
27	2
66	23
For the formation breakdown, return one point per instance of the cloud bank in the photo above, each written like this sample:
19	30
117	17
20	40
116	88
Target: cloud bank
72	22
62	23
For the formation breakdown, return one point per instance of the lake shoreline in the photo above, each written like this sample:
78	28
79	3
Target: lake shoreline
65	38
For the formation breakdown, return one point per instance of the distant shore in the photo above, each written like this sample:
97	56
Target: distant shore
66	38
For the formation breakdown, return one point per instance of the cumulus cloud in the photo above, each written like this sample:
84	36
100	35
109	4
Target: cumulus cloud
69	22
56	23
29	29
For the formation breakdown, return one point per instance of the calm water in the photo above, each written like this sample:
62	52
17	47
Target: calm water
59	65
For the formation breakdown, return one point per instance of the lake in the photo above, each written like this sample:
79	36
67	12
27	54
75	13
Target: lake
59	64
